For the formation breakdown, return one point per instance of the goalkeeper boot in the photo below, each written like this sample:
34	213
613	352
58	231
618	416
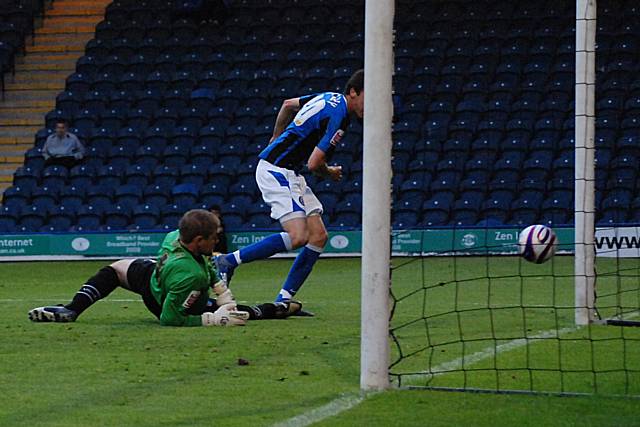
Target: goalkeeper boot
224	267
57	313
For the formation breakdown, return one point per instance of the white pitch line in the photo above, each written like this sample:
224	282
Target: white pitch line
492	351
331	409
488	352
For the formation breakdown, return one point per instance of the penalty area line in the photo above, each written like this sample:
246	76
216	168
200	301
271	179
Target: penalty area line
333	408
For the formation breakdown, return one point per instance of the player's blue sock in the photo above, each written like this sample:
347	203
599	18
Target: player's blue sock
299	272
260	250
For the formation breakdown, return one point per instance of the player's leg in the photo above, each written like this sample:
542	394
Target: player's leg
306	259
283	191
95	288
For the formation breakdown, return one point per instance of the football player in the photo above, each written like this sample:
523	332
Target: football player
175	287
305	134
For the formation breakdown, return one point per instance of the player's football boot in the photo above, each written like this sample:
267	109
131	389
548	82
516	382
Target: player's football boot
224	267
56	313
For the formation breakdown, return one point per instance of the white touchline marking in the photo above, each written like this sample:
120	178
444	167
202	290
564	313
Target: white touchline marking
331	409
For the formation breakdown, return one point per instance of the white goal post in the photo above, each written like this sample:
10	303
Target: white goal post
376	195
585	162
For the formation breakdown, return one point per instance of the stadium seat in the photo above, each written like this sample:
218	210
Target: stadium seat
16	197
8	219
32	218
146	217
185	195
61	219
116	217
128	195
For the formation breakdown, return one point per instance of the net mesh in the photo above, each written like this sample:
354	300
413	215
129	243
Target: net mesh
481	321
469	314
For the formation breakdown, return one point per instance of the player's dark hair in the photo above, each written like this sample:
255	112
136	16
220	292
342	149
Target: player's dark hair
197	222
356	81
62	121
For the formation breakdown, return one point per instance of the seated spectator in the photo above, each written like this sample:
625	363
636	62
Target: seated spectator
62	148
221	246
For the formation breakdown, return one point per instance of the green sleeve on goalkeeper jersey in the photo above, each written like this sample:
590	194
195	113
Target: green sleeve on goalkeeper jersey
183	297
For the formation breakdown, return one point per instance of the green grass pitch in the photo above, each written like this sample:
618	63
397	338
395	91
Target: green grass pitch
117	367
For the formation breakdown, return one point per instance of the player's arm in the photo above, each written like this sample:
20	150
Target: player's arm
173	310
288	110
317	164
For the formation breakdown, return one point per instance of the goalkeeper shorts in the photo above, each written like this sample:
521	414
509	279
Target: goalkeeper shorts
139	278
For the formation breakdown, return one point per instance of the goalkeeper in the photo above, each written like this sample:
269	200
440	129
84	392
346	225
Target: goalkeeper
176	288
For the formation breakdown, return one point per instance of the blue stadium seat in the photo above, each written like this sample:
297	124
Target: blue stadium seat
16	197
538	161
32	218
25	177
185	195
54	176
8	219
477	180
165	176
44	198
34	159
100	196
128	195
156	195
72	197
175	156
148	156
109	176
116	217
120	156
146	217
61	218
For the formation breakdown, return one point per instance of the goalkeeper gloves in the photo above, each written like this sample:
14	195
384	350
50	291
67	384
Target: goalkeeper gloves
225	316
223	294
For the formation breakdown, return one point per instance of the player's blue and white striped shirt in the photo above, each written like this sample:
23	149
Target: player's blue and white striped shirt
321	122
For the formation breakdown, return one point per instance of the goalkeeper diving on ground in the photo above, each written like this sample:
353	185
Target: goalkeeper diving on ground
181	287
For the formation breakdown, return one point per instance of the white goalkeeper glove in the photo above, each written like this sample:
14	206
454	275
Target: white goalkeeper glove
227	315
223	294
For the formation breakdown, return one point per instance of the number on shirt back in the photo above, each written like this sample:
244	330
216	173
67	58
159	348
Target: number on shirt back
309	110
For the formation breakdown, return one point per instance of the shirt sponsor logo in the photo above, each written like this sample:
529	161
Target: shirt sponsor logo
335	139
193	296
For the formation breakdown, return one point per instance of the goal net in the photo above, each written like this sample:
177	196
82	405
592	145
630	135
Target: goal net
468	313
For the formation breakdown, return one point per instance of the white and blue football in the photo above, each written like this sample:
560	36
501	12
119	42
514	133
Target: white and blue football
537	243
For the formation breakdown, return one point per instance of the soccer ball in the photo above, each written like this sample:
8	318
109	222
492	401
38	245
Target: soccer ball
537	243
